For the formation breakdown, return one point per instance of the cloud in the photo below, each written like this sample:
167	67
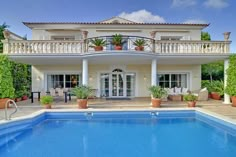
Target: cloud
183	3
217	4
142	16
195	21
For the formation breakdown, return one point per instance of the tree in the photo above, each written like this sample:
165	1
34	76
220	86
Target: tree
212	70
2	28
205	36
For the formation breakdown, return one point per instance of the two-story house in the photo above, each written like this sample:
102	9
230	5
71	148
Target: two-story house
60	56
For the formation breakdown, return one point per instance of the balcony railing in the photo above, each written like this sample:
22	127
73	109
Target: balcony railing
83	46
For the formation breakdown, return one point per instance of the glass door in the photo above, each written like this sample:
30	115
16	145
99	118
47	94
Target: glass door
117	84
130	84
104	81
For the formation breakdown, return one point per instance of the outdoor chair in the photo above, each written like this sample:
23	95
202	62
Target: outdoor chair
202	94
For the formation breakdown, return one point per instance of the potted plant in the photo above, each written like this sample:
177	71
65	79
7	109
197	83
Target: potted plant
6	81
47	101
25	93
118	41
97	44
217	90
140	43
231	79
157	94
191	100
18	95
82	93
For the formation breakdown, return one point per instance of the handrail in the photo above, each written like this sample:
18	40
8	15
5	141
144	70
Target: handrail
6	106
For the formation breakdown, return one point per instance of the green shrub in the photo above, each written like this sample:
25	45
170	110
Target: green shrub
82	92
6	81
157	92
231	79
47	99
190	97
207	84
20	78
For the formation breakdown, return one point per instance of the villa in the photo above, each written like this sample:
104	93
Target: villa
61	56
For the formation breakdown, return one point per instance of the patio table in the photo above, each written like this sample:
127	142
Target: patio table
32	96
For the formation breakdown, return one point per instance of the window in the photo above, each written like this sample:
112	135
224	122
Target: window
55	81
63	80
72	81
172	80
63	38
171	37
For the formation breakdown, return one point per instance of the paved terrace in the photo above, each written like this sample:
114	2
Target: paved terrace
26	107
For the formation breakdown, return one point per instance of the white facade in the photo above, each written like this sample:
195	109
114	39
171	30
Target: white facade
60	56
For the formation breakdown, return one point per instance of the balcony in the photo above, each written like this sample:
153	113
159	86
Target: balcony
51	47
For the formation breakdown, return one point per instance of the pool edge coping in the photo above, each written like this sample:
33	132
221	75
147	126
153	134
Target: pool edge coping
43	111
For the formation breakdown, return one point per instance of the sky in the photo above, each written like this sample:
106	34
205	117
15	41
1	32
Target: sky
219	13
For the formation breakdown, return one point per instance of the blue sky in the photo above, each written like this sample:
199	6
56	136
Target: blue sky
219	13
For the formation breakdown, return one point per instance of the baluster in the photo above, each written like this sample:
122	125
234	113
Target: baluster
69	47
14	48
37	48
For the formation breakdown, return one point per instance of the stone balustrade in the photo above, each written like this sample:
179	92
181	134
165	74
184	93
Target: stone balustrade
13	47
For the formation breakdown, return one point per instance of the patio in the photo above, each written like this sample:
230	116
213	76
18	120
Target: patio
26	107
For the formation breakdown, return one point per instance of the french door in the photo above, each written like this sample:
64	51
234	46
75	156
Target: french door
117	85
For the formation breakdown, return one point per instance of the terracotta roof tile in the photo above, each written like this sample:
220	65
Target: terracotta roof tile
100	23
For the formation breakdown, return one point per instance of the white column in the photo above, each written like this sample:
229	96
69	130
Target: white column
85	72
226	96
154	72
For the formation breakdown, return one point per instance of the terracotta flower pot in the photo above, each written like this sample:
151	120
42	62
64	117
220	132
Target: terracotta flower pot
98	48
3	102
24	97
215	95
139	48
233	98
191	103
118	47
48	106
82	103
17	99
209	96
156	102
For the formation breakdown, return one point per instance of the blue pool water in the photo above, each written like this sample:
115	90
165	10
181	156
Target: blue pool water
132	136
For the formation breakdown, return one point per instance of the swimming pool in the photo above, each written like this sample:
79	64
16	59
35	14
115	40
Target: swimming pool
184	133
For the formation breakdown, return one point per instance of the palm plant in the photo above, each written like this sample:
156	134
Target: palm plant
97	43
82	92
117	40
157	92
140	42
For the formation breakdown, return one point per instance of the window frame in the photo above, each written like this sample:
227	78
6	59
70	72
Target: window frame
188	81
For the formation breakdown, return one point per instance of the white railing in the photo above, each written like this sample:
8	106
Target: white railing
189	46
42	46
81	46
